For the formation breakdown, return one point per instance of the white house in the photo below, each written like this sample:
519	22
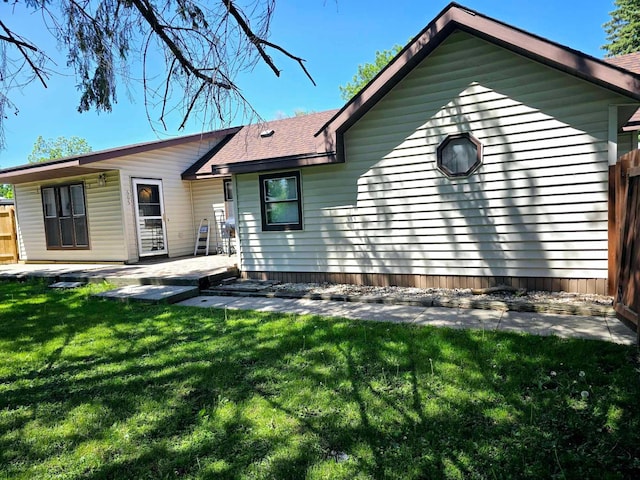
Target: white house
480	155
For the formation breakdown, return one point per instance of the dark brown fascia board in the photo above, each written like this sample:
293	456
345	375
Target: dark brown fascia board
120	151
297	161
191	173
456	17
631	127
47	173
379	86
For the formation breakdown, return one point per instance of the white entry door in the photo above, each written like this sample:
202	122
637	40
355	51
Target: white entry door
152	232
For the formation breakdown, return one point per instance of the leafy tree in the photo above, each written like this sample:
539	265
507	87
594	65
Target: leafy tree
60	147
199	46
367	71
6	191
300	112
623	30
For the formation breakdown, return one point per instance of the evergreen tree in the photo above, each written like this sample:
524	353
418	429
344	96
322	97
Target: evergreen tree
623	30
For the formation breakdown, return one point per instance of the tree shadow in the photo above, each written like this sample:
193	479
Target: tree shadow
175	391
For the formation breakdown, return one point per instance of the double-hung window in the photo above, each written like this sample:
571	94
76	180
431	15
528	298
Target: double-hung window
65	216
281	201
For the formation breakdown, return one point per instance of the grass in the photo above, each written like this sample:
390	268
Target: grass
92	389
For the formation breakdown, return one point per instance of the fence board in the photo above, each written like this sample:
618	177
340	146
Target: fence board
625	182
8	236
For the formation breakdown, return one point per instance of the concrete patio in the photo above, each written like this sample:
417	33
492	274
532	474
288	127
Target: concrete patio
198	271
170	280
566	326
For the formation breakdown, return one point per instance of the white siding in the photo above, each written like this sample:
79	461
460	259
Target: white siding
207	195
104	215
110	209
537	207
166	164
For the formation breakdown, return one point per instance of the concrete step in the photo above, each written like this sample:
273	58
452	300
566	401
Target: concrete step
151	293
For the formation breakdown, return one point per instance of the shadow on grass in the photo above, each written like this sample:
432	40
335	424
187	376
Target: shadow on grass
94	389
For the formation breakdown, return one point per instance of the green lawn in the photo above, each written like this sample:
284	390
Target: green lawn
92	389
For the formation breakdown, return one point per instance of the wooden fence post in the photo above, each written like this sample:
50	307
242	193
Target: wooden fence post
8	235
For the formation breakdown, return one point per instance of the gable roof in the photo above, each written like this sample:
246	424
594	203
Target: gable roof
286	143
316	138
456	17
631	62
89	162
628	61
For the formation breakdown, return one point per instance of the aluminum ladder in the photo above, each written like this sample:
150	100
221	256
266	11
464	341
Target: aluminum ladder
202	238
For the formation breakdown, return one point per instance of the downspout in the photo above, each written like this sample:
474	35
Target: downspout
612	135
193	213
19	242
613	227
236	202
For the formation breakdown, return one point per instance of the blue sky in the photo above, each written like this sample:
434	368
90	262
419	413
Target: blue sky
334	36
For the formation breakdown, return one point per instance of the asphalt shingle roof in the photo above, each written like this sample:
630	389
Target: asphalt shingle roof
630	61
291	137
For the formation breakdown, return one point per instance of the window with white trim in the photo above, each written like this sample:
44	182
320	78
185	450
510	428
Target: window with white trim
281	201
65	217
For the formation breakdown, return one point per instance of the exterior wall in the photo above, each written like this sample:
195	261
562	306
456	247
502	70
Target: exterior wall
536	208
104	216
207	196
166	164
110	209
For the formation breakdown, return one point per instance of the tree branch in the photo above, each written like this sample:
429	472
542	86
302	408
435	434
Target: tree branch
15	41
250	35
146	10
290	55
259	42
191	105
21	46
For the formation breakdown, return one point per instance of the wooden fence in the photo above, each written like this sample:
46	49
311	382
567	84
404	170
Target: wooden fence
8	237
624	236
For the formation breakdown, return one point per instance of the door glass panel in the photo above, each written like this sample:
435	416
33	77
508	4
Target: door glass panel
65	202
151	235
77	199
49	198
66	231
148	200
82	238
51	229
149	217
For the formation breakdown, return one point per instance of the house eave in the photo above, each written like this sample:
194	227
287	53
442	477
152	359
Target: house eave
455	17
196	170
265	165
47	172
78	165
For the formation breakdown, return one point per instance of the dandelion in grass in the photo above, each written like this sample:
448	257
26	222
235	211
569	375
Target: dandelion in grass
581	374
584	394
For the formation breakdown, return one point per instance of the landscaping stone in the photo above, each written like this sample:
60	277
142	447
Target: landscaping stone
518	301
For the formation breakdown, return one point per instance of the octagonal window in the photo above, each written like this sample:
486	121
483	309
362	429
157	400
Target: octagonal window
459	155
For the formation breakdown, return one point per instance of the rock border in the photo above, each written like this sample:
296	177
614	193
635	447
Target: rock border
516	305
